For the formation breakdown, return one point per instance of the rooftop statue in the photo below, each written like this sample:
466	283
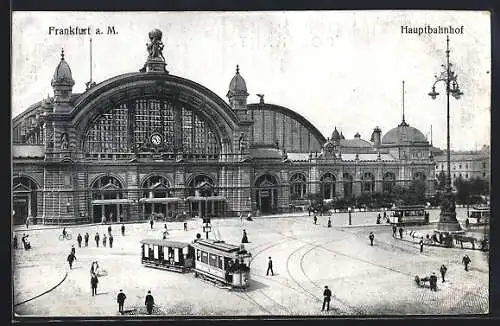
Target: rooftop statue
155	47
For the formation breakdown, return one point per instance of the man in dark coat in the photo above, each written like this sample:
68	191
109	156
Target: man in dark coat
401	233
466	261
327	294
315	218
421	243
151	223
244	239
73	251
93	283
371	237
123	229
329	222
96	239
443	270
111	240
270	267
121	301
71	259
86	238
186	225
109	229
104	238
79	239
433	282
149	302
15	241
394	230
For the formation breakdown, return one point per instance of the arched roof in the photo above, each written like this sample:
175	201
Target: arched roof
292	114
200	99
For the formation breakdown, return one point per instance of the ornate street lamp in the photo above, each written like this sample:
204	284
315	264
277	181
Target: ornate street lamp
448	222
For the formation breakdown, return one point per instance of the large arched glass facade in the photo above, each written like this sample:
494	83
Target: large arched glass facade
129	127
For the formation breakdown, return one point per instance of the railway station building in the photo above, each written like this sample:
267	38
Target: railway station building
151	143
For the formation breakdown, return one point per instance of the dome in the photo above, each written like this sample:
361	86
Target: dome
237	84
403	134
335	134
62	75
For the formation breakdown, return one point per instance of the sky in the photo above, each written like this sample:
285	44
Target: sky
339	69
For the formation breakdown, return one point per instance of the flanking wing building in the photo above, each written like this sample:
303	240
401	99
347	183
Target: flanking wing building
149	142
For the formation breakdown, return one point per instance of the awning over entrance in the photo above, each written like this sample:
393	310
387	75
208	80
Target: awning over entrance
162	200
111	201
211	198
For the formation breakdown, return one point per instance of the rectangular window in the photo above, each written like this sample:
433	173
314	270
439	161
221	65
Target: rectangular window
204	257
213	260
198	255
67	180
219	262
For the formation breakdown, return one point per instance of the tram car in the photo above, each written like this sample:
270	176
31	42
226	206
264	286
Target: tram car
170	255
478	215
222	263
409	215
226	265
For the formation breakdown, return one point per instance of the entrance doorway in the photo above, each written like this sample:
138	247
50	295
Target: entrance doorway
267	194
24	199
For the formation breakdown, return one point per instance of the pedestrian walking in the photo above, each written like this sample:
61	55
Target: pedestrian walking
371	237
421	243
327	294
151	223
121	301
433	282
71	258
104	238
149	302
79	239
97	239
244	239
186	224
443	270
109	229
93	283
315	218
270	267
15	241
466	261
329	222
25	242
401	233
394	230
73	251
111	240
123	229
86	238
378	218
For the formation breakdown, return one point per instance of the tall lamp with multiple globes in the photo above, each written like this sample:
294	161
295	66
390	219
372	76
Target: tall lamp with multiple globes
448	223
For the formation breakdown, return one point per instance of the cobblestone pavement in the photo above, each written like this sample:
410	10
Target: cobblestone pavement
365	280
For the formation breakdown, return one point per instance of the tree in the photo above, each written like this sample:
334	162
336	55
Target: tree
416	193
469	191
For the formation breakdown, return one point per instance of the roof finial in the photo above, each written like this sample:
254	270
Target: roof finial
62	54
403	101
237	69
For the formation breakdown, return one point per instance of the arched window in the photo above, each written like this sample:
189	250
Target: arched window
298	186
156	186
201	186
389	180
106	195
347	184
419	176
266	193
328	185
367	182
128	127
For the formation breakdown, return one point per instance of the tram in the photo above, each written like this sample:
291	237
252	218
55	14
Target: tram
226	265
410	215
222	263
170	255
479	215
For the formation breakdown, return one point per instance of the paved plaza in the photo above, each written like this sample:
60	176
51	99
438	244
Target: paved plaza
364	280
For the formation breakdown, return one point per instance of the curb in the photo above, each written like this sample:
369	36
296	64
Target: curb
49	290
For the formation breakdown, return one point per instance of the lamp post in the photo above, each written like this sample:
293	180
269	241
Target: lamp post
448	222
349	211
